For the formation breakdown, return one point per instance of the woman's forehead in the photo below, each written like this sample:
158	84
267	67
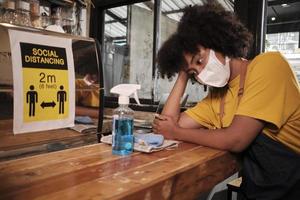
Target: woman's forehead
190	56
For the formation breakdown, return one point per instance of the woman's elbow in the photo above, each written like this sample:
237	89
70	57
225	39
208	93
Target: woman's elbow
237	146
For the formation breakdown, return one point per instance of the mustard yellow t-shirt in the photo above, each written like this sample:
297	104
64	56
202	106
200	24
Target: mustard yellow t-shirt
271	94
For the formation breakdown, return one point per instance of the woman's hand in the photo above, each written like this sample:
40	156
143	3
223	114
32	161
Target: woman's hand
165	125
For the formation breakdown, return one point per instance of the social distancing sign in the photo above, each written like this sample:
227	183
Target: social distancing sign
45	94
44	80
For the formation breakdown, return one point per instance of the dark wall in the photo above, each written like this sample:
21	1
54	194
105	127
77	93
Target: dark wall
253	14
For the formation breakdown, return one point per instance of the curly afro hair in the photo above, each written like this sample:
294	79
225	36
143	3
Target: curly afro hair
208	25
170	57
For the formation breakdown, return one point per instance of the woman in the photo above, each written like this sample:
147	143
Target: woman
253	107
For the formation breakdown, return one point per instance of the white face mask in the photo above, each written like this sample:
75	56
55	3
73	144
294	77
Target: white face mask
214	73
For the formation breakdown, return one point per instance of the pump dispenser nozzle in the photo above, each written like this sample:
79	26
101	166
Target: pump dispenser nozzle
126	90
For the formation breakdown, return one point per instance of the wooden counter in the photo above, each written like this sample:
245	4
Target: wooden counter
27	144
92	172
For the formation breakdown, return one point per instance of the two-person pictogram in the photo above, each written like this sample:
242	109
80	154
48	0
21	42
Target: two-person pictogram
32	99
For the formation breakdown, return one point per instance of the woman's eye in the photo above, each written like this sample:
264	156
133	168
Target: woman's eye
199	62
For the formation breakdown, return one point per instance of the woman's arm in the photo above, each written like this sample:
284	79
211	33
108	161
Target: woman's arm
172	105
234	138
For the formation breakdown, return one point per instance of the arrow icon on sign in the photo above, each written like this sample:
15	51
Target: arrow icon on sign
48	104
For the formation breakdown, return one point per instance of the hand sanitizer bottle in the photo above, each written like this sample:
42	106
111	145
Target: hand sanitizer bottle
122	128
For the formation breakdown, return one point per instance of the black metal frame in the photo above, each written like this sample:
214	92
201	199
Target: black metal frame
101	92
278	2
97	31
106	4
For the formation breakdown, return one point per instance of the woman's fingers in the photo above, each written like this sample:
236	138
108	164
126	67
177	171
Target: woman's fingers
156	125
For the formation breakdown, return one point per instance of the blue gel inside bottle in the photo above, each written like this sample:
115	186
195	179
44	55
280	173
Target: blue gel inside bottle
122	136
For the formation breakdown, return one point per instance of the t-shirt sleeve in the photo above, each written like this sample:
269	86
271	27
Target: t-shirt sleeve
269	90
201	113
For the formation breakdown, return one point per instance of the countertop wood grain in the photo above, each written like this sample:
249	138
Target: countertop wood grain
92	172
28	144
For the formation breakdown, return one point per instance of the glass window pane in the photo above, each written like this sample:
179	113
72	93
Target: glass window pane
127	55
283	25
